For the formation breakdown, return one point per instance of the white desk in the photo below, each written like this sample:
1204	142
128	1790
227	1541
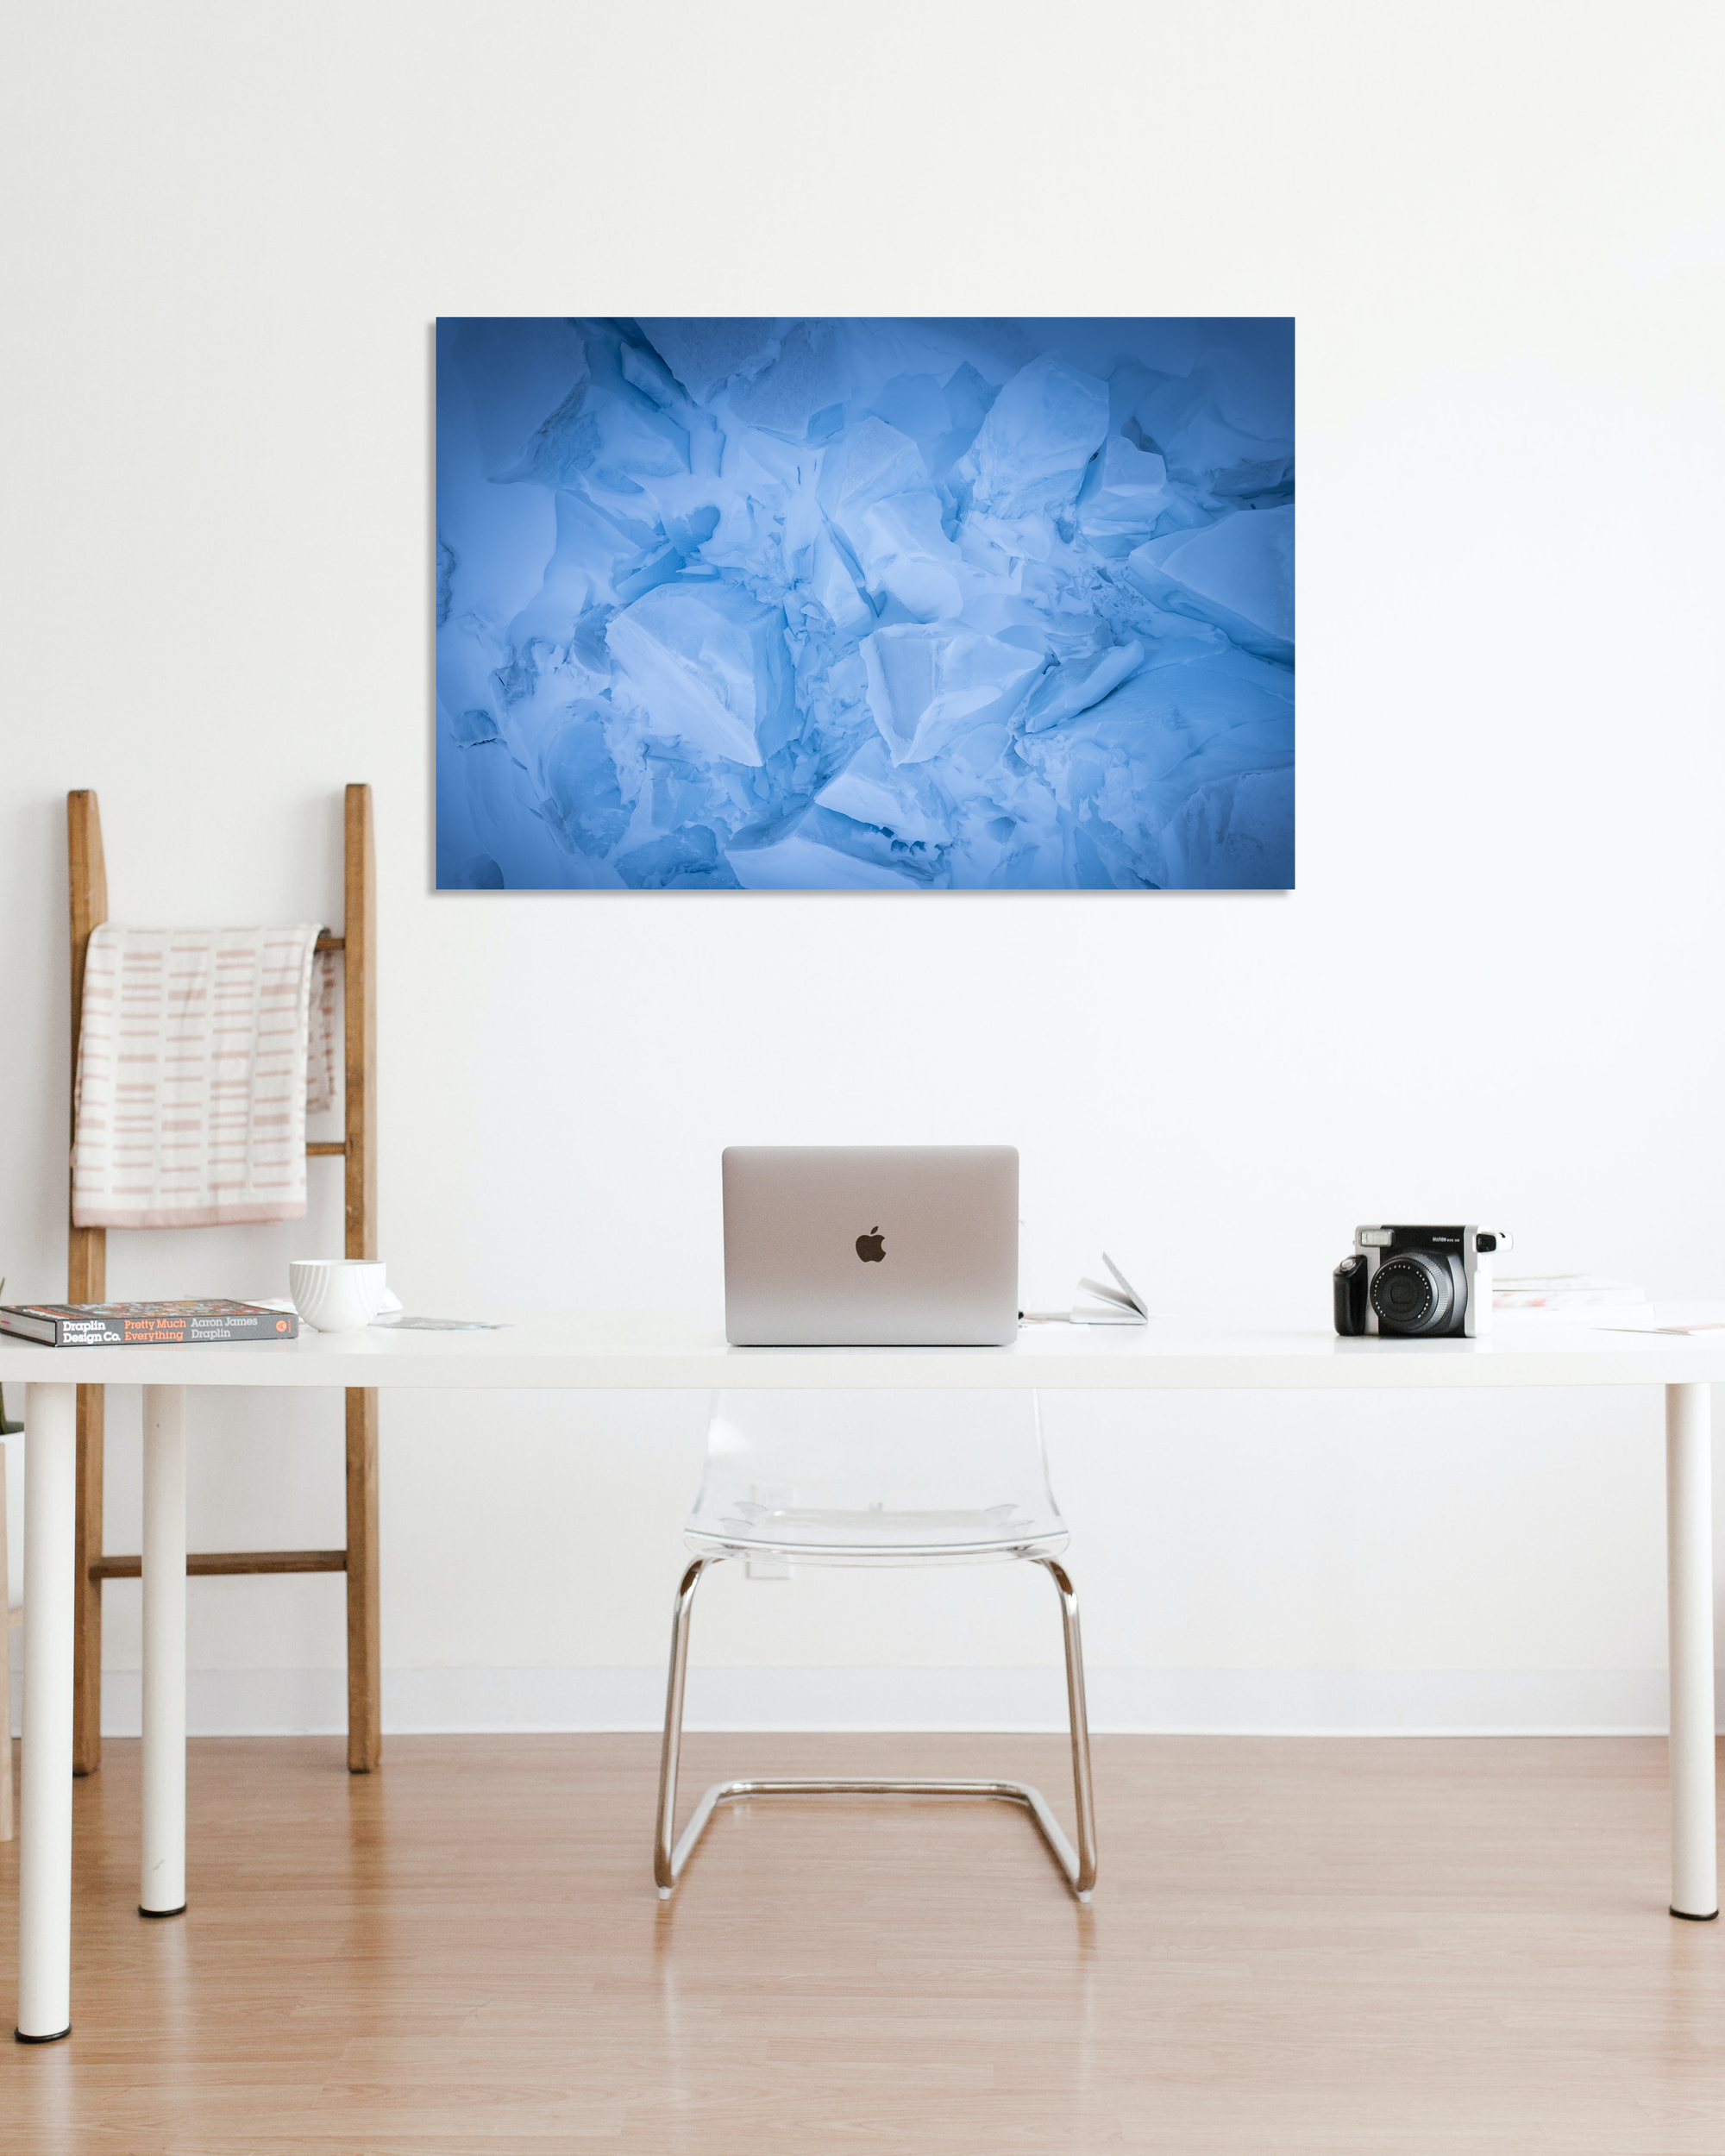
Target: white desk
639	1354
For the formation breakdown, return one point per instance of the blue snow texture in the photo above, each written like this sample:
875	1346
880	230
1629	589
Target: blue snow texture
865	605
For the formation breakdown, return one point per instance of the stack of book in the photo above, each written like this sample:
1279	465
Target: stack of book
1586	1298
144	1324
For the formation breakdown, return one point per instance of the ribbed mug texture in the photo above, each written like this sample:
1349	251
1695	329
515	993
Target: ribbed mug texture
336	1294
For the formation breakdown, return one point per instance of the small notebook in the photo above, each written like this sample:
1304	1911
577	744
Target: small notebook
1119	1304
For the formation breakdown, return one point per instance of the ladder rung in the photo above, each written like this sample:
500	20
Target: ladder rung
230	1561
331	943
323	1148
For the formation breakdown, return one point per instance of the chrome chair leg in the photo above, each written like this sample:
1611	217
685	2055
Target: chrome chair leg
1078	1719
665	1867
1079	1866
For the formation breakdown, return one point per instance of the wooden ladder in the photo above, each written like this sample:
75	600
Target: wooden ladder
87	1281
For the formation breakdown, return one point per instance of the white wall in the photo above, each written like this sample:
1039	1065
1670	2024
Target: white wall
1493	994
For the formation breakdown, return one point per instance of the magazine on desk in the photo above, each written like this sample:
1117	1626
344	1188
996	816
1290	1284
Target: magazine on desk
144	1324
394	1319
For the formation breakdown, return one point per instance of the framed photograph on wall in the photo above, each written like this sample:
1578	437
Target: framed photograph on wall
865	604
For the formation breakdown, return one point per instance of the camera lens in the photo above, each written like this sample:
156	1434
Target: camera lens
1413	1293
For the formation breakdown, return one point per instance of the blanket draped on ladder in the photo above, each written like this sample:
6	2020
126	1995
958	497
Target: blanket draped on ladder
196	1052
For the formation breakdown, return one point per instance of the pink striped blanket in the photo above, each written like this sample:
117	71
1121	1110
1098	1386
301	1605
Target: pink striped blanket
198	1051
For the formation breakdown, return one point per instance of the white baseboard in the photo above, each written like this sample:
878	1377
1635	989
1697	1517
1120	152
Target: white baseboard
1356	1702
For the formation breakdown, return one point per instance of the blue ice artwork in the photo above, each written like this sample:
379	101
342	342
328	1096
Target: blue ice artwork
865	605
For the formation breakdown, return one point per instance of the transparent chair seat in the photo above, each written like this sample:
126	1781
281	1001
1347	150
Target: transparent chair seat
875	1478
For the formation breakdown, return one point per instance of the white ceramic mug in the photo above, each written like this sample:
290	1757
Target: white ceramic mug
336	1294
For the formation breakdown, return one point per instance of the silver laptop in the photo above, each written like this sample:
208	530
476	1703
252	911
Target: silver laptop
871	1245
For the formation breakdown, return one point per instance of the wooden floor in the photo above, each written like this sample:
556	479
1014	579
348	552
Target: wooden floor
1322	1946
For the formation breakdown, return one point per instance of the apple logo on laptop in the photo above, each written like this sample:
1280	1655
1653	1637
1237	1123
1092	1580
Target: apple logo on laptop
871	1248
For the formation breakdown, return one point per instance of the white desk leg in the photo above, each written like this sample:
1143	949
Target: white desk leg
1688	1581
163	1890
45	1840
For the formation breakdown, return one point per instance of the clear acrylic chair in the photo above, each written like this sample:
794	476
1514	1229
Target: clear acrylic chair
877	1478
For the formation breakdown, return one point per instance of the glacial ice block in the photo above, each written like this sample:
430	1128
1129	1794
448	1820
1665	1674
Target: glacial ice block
906	556
868	463
1125	492
833	587
684	860
519	371
631	440
498	840
928	684
600	559
1064	691
1125	770
583	802
822	851
1187	418
705	662
705	351
1236	834
1238	573
808	375
875	492
905	799
1041	431
551	404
